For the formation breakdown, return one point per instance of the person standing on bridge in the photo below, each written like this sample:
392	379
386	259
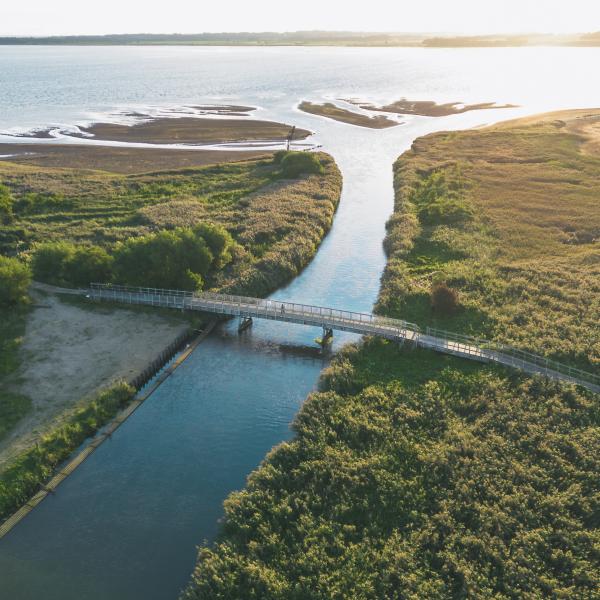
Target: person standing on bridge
282	309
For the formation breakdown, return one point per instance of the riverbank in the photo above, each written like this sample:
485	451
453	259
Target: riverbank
424	473
70	352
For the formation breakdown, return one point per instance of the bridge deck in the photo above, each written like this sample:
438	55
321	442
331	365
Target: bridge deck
355	322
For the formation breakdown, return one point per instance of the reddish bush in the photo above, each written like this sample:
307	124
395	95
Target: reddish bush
444	299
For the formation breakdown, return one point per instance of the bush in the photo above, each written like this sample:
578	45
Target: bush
15	278
179	259
6	205
295	164
279	156
445	210
89	264
444	299
219	242
50	261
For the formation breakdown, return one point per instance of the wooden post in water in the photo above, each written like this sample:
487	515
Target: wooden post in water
245	322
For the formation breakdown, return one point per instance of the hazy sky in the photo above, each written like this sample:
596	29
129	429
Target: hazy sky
47	17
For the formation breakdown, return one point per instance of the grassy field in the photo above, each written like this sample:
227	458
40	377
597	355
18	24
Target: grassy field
277	223
417	475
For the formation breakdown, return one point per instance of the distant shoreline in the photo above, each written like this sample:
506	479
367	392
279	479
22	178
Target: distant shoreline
315	38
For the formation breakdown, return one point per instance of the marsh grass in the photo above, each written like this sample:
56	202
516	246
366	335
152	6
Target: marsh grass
527	264
13	406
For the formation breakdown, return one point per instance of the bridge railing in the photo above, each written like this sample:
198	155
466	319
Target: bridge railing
263	306
274	307
510	355
129	289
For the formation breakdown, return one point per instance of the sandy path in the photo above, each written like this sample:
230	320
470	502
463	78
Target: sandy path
70	352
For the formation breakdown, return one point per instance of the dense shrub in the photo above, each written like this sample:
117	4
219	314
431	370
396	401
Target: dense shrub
295	164
440	197
89	264
468	486
279	156
50	261
219	242
444	299
177	259
15	277
6	205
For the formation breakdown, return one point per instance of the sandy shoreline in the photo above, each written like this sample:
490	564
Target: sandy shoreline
123	154
191	130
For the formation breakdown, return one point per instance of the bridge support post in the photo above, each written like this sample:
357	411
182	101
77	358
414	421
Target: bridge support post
245	323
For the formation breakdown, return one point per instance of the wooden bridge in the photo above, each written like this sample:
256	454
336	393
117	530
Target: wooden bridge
330	319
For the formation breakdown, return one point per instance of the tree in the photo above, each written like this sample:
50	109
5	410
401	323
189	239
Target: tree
444	299
50	261
89	264
15	277
170	259
219	241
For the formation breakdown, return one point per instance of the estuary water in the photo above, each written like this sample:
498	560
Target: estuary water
126	524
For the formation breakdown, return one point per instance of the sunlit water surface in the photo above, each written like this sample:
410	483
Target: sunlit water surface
126	524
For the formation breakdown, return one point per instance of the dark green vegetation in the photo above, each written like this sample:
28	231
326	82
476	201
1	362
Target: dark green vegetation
309	38
13	406
417	475
15	278
180	258
347	116
32	468
294	164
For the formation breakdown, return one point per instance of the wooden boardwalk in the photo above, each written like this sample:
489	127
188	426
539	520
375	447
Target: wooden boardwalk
341	320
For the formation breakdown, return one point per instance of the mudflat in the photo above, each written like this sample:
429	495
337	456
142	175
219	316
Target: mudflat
119	159
332	111
190	130
429	108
